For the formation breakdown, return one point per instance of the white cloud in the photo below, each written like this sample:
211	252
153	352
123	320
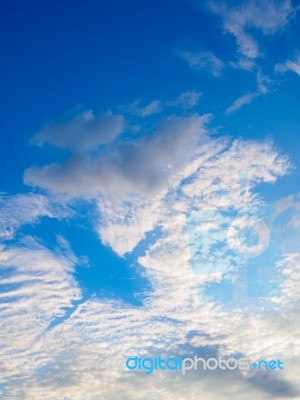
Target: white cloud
263	82
147	169
86	353
268	16
37	286
244	63
125	221
205	60
289	65
186	100
263	87
291	203
288	212
23	209
136	215
240	102
135	108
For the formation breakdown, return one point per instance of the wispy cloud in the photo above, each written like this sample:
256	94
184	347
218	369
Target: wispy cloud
289	65
289	206
263	87
243	63
268	16
185	100
240	102
205	60
135	108
23	209
263	82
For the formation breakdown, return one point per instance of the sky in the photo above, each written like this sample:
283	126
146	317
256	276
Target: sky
150	196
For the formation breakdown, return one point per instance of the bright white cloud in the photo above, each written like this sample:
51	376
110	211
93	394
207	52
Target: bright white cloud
85	353
37	286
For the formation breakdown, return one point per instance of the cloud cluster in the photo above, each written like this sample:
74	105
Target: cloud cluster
195	187
81	354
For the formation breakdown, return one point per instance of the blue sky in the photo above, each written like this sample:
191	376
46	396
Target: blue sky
140	141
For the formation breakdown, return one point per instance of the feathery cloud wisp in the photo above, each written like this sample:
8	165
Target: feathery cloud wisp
205	60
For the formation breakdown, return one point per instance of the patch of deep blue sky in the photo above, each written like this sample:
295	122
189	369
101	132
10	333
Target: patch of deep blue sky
100	54
100	271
